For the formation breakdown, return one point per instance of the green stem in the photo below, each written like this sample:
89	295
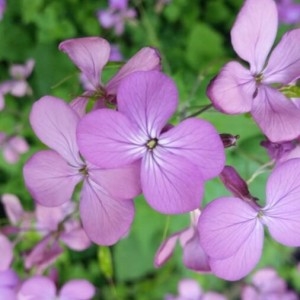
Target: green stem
200	111
262	169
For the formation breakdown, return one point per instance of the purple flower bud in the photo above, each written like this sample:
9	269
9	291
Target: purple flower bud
228	139
235	184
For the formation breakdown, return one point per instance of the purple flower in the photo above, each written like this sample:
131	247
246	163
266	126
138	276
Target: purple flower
231	229
288	11
6	250
19	219
12	147
18	85
9	282
189	289
90	55
116	15
237	90
194	257
266	284
280	152
41	287
106	208
59	219
174	163
2	8
56	224
115	53
43	254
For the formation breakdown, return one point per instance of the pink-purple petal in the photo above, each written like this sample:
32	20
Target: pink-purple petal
194	257
13	208
282	212
148	99
232	90
284	62
171	184
122	183
104	218
244	259
8	294
77	289
89	54
43	254
54	122
147	59
224	225
254	32
197	141
6	250
8	279
267	281
166	250
48	218
79	104
277	116
37	288
108	139
49	179
189	289
74	236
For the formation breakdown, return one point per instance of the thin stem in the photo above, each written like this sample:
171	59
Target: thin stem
63	80
113	288
166	228
200	111
260	170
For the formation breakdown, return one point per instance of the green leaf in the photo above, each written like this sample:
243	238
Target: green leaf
204	46
105	261
291	91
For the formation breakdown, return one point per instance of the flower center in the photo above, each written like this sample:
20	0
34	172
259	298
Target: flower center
152	143
258	78
84	170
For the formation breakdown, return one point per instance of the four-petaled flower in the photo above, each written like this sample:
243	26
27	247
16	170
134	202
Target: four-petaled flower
237	90
231	228
90	55
116	15
175	162
106	206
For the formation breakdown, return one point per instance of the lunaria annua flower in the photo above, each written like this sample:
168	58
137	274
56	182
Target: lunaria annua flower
237	90
106	205
91	54
174	163
231	229
266	284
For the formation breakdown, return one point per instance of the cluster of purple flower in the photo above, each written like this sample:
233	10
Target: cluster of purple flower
265	284
227	237
13	145
41	287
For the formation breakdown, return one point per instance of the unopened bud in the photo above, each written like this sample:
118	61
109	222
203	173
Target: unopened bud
236	184
228	139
